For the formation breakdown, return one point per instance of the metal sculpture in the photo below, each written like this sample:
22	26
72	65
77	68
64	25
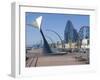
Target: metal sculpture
37	24
84	32
58	36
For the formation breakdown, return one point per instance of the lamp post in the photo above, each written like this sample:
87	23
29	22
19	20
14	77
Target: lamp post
37	24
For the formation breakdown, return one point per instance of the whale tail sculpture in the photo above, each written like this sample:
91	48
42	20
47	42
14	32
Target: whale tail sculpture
37	24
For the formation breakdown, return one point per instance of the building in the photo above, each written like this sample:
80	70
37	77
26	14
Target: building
74	39
70	35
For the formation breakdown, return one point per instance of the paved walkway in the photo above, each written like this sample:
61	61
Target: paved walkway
55	60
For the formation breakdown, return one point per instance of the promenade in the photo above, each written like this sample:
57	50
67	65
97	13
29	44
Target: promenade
38	59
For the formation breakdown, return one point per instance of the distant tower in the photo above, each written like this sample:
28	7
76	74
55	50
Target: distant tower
70	34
